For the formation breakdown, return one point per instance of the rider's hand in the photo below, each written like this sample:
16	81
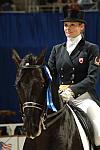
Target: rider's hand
63	87
67	95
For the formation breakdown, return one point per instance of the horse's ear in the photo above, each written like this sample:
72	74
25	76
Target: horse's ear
41	57
16	57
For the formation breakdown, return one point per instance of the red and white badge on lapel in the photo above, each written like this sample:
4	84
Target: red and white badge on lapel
97	61
81	60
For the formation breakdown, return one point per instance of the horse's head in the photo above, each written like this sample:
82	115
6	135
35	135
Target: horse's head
33	84
30	85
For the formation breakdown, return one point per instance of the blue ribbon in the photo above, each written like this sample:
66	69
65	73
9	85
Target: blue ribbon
49	94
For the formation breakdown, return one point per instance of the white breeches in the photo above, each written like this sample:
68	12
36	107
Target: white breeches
91	108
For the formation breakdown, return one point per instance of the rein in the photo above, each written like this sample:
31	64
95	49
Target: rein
46	120
57	116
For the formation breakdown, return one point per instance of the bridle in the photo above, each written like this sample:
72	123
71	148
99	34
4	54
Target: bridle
28	104
46	119
32	105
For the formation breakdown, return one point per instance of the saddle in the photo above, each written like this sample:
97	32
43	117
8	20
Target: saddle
85	122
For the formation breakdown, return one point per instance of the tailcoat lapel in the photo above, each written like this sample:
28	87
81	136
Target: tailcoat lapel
77	50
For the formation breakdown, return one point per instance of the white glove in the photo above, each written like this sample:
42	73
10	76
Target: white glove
63	87
67	95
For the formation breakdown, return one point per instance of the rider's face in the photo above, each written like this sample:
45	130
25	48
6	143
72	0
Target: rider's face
73	29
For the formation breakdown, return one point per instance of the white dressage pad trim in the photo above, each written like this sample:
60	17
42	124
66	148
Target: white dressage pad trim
83	136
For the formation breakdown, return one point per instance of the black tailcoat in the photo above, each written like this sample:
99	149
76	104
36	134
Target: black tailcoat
80	69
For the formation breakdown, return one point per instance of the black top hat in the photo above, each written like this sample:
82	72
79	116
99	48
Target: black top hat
73	15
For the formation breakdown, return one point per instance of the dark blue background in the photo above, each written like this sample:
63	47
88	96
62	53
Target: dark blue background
32	32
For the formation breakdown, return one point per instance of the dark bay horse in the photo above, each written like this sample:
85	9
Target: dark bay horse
49	123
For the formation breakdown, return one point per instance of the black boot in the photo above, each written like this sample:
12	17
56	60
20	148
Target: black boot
97	147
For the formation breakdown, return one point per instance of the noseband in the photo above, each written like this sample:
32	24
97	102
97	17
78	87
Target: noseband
32	105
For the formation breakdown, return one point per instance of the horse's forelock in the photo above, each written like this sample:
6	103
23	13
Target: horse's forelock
29	58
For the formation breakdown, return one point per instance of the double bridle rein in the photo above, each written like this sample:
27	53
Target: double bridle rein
48	118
